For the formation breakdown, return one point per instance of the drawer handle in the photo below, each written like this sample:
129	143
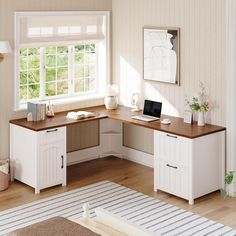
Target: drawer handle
62	162
171	136
52	130
174	167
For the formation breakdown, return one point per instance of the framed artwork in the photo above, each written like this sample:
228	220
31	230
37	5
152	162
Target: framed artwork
161	59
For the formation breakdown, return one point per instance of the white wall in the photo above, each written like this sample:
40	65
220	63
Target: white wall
7	9
202	24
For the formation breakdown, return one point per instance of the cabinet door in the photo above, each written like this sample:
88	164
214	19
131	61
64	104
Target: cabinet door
51	164
172	179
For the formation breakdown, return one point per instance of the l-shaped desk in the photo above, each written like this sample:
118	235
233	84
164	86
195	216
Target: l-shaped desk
189	161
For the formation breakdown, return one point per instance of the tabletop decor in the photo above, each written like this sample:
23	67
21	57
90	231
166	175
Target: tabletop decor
199	104
111	99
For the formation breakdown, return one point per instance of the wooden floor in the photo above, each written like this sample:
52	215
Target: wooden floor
129	174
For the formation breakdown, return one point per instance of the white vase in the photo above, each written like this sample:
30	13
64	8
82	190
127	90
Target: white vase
111	102
201	118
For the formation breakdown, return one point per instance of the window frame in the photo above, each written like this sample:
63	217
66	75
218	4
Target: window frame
103	72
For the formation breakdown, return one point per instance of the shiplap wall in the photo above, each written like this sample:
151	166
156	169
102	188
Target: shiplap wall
202	53
7	9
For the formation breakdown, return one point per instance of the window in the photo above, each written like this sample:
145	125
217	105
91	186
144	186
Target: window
60	58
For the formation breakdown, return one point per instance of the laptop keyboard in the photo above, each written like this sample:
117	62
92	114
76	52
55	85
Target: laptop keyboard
145	118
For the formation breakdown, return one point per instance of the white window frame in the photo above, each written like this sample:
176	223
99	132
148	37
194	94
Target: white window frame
103	70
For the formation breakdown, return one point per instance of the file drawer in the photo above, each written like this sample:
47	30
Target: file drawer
173	148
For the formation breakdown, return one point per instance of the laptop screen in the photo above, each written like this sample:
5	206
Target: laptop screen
152	108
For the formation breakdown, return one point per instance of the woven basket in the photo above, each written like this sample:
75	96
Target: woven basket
4	178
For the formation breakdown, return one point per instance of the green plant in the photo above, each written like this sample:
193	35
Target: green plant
199	104
229	180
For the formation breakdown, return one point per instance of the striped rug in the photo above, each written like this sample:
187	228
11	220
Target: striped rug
154	215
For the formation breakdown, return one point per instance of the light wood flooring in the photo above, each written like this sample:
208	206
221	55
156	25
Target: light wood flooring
129	174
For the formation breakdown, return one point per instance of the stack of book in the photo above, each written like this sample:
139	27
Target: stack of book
37	110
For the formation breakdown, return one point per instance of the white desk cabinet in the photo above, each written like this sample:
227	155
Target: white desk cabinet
189	168
38	158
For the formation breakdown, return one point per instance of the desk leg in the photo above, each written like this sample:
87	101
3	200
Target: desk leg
191	201
37	191
64	183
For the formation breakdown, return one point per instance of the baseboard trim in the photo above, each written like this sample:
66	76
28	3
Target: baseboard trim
139	157
93	153
84	155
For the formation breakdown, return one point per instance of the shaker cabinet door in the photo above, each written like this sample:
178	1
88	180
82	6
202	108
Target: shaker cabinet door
51	164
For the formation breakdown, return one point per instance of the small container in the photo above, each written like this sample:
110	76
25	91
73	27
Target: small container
4	174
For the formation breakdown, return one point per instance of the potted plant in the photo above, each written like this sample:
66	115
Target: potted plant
229	182
200	105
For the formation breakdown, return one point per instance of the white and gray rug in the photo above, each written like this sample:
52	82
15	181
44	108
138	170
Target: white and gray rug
147	212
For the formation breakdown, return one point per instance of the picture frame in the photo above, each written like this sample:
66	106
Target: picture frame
188	117
161	54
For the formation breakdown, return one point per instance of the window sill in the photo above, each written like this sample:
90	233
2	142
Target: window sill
66	101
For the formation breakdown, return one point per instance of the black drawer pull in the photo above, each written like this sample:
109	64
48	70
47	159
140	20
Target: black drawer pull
171	136
174	167
52	130
62	162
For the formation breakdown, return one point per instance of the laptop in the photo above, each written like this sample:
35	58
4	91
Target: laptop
151	111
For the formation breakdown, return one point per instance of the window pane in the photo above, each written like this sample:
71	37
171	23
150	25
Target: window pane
90	58
51	61
92	84
90	48
33	77
50	89
79	71
23	52
33	51
79	48
23	78
62	50
23	92
23	63
29	73
85	68
51	50
34	91
62	60
79	85
33	62
86	71
79	58
62	87
86	84
50	75
62	74
92	71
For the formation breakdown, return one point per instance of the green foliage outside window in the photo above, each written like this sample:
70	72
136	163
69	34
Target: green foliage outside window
55	71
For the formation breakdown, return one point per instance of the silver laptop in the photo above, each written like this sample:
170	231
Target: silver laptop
151	111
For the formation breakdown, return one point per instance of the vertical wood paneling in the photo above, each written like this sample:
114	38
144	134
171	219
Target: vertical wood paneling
202	26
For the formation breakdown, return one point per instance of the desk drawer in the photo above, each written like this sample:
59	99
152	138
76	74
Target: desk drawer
52	135
172	148
172	178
